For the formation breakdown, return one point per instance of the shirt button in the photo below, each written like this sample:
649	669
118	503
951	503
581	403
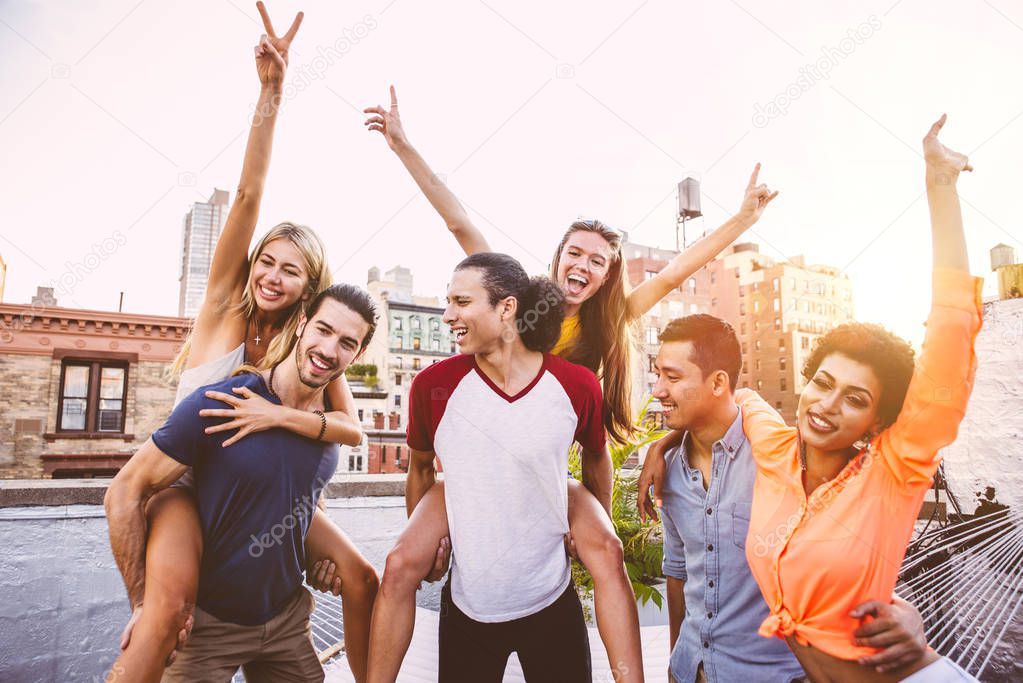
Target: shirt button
710	615
706	644
710	583
708	511
710	546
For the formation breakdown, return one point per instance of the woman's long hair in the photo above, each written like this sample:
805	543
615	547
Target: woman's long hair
314	256
605	339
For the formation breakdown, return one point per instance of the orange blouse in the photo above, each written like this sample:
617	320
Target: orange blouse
815	559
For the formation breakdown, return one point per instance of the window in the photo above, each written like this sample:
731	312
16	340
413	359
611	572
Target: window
805	343
713	277
360	414
416	342
713	303
415	363
434	324
745	349
756	306
742	308
760	385
756	344
777	324
416	323
651	335
781	343
435	345
692	285
756	364
399	341
397	456
782	362
776	304
774	284
756	286
783	384
756	325
742	291
742	328
650	363
354	463
397	323
397	361
397	400
92	395
777	405
383	453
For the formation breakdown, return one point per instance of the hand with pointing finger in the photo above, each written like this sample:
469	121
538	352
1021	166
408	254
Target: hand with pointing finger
272	52
387	122
943	164
756	199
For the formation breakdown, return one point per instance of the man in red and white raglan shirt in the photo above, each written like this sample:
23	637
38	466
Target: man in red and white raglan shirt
501	418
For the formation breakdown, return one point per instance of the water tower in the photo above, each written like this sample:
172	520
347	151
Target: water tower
688	207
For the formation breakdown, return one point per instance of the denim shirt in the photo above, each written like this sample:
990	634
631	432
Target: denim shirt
704	546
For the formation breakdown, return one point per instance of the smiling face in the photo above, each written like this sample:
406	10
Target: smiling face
583	265
278	278
476	324
839	404
328	343
686	397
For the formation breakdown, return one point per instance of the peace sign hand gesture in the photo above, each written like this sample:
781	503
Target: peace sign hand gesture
943	164
272	52
387	122
756	199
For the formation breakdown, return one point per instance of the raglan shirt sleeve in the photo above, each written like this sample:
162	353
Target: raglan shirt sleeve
182	437
590	426
419	432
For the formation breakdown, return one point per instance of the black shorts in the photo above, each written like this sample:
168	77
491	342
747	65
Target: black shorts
553	644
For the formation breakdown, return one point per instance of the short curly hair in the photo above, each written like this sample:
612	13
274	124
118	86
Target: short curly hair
888	355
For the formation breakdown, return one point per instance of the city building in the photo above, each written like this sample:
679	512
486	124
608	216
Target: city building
410	335
778	309
3	277
1008	271
84	388
199	234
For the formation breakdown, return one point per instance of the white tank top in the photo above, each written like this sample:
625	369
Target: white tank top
209	372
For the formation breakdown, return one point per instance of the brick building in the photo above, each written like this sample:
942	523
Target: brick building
82	389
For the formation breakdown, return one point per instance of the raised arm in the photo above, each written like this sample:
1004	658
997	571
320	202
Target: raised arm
147	472
943	378
388	123
647	294
229	268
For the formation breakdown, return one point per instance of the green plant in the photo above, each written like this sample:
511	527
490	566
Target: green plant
643	543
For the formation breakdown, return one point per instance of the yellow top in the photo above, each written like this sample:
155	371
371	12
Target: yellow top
569	334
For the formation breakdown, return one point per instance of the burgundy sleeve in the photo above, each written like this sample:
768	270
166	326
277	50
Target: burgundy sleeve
590	408
419	432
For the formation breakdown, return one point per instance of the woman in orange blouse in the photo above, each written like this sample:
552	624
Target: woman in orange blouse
836	497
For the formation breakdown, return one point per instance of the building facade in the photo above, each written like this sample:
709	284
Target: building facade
83	389
411	335
3	277
199	234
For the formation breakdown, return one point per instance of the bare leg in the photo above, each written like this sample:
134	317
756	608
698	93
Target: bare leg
600	550
359	583
408	563
173	553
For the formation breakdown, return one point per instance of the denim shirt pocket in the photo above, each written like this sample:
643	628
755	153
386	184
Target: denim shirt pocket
740	523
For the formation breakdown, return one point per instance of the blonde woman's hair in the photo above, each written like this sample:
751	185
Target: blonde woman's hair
606	335
314	256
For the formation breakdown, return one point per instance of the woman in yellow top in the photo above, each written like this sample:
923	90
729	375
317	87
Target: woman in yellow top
836	497
588	265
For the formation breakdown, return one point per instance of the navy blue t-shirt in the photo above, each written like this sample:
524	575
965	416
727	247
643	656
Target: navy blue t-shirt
256	498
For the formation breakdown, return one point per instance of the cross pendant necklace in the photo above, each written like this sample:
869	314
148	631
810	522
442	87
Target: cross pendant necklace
257	337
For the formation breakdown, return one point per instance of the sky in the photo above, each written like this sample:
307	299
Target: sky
116	116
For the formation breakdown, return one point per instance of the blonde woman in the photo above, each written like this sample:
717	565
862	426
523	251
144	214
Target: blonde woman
249	316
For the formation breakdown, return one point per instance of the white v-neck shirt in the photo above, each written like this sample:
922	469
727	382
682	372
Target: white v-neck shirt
505	462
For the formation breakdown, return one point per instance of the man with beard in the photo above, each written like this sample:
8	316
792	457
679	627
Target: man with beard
255	496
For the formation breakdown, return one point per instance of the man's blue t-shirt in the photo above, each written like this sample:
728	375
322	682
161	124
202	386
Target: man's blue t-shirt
255	497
